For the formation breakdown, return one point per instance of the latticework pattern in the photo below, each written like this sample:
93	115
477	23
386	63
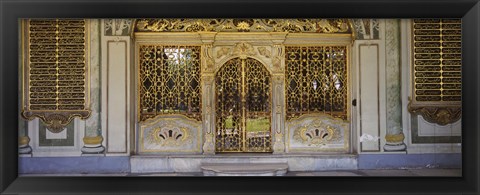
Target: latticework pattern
316	80
169	81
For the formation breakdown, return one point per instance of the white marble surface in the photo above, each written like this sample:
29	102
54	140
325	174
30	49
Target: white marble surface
192	163
392	59
93	122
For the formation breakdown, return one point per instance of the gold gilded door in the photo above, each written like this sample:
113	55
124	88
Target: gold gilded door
243	107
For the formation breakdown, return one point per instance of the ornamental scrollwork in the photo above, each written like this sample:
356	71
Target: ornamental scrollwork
441	115
244	25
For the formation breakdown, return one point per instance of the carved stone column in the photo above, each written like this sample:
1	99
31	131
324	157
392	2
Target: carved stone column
278	103
208	69
278	114
208	114
93	135
394	136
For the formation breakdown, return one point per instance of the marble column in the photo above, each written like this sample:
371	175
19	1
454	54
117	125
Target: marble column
208	116
208	93
93	134
278	64
394	135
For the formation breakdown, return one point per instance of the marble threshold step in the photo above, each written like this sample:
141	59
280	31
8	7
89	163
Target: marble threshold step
244	169
192	163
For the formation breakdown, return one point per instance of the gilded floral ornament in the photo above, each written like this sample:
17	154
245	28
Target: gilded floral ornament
244	25
316	133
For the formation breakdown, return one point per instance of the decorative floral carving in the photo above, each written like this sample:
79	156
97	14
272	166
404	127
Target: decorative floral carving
279	55
244	25
223	51
173	133
316	133
168	135
243	49
264	52
207	53
117	27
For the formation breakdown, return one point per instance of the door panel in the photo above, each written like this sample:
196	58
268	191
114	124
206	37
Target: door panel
243	101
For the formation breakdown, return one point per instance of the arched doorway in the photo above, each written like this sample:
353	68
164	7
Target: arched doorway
243	107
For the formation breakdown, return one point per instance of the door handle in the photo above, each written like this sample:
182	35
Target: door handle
354	102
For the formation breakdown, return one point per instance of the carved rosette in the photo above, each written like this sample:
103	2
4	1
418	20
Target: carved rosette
436	114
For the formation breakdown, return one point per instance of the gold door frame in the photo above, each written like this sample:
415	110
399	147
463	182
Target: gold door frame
243	107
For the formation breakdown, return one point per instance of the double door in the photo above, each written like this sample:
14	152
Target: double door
243	107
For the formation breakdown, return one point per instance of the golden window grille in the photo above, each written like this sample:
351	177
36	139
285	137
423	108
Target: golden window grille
169	79
55	84
243	107
316	80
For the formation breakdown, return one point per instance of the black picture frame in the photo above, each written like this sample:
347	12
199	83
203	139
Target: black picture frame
11	11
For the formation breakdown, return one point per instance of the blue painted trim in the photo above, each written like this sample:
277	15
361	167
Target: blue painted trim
399	161
99	165
84	164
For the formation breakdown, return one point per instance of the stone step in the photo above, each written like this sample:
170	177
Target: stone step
191	163
244	169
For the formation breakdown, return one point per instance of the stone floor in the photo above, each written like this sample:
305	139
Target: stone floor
348	173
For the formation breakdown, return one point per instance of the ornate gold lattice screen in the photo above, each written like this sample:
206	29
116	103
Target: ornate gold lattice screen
55	71
316	80
243	107
437	66
169	79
